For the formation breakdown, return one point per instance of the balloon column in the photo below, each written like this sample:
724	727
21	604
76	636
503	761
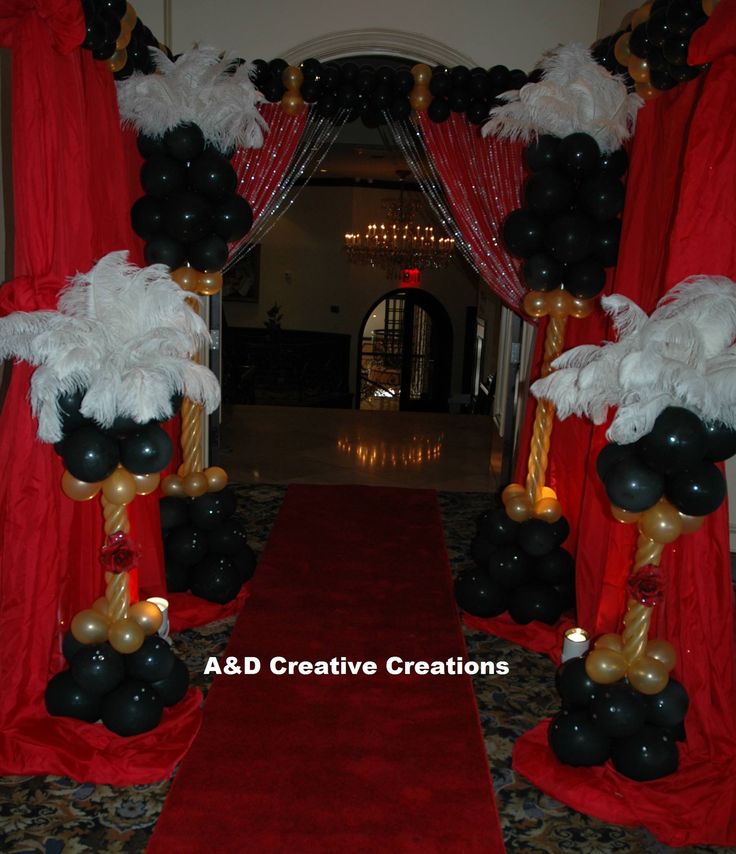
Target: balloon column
110	25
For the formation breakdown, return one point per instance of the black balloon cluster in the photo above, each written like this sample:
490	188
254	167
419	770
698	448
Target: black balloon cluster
675	460
472	92
127	691
568	230
190	210
91	453
638	732
655	50
520	568
103	20
139	55
206	546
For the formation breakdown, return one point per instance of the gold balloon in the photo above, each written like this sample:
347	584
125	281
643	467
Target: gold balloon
647	675
621	49
147	615
548	509
519	508
124	38
78	490
535	303
422	74
194	484
101	605
605	666
117	60
559	303
691	523
647	91
511	490
641	15
663	652
172	485
119	488
145	484
639	69
626	516
609	641
548	492
209	283
186	277
292	78
661	523
90	626
709	6
420	98
580	308
216	478
130	17
292	103
126	635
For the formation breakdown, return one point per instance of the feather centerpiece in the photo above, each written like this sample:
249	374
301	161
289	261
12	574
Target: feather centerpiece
205	86
575	95
122	334
683	354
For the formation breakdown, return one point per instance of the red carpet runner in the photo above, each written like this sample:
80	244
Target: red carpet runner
326	764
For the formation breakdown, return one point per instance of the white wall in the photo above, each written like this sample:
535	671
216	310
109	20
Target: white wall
611	14
511	32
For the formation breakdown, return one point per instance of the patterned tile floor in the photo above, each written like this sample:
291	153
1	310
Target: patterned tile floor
54	815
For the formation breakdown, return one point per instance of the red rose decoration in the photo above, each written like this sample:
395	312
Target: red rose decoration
646	587
120	553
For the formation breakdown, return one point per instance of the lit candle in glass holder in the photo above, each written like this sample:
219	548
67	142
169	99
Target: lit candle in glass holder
575	644
163	606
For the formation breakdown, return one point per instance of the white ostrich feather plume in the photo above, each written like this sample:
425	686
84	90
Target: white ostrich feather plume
124	334
200	87
683	354
576	95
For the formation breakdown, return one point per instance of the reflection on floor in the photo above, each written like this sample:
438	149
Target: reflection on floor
277	444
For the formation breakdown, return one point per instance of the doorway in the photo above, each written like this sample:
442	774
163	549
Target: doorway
405	357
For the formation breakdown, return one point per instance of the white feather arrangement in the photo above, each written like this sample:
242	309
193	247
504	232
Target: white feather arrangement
125	335
203	86
683	354
576	95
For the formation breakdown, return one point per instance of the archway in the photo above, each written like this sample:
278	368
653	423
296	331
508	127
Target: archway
405	353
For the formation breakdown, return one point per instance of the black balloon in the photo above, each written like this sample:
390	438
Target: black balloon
567	595
604	241
647	755
70	646
327	105
555	567
438	111
161	175
69	405
124	424
177	577
683	73
535	602
548	191
639	42
542	152
185	546
633	486
669	707
174	512
400	109
477	595
381	97
517	78
683	17
611	455
187	216
232	218
585	279
212	176
657	29
477	112
498	527
460	76
98	668
481	549
578	153
536	537
65	698
174	686
89	454
208	254
228	538
152	661
523	233
569	237
675	49
576	740
614	163
500	78
618	710
542	272
245	562
147	216
164	250
574	685
602	196
185	141
441	83
209	510
661	80
459	100
132	708
509	567
480	83
403	82
216	579
676	441
561	530
697	491
720	442
147	451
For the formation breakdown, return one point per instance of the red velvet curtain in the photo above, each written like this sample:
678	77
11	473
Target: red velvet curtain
679	220
72	204
481	179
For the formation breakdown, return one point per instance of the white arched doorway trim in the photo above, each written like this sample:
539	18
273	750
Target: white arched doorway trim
377	42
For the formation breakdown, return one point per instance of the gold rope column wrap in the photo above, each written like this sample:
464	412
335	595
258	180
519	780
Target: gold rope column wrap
117	592
191	427
648	553
116	518
638	616
545	413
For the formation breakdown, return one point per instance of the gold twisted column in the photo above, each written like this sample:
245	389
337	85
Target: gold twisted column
636	630
648	553
191	438
117	594
116	518
545	413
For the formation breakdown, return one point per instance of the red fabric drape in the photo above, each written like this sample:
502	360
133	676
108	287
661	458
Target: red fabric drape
679	220
72	203
481	179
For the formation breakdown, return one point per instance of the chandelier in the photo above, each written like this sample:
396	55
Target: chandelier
400	242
